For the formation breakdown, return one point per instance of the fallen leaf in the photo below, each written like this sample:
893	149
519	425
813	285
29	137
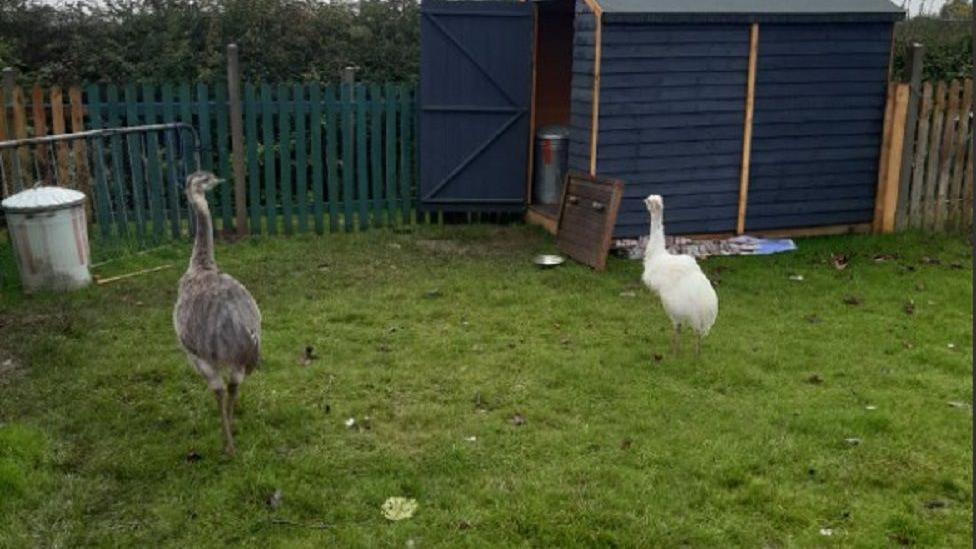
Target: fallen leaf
274	500
815	379
839	262
909	307
399	508
192	457
658	358
955	265
957	404
853	441
908	345
936	504
308	356
852	300
517	420
431	294
463	525
813	319
625	444
919	287
565	341
930	260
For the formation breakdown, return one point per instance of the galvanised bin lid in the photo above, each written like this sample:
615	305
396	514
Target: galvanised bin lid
41	199
555	132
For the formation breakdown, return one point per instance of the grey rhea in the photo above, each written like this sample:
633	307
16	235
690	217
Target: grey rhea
216	319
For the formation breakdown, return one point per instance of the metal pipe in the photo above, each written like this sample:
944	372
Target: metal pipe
106	132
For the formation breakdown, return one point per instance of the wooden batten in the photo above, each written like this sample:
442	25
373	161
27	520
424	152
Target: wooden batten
883	159
597	55
532	114
888	197
740	225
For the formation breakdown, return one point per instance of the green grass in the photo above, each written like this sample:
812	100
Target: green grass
441	334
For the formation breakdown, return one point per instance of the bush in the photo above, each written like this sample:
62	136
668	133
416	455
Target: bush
158	40
948	48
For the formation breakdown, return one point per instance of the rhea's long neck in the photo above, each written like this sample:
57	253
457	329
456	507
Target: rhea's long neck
655	241
203	246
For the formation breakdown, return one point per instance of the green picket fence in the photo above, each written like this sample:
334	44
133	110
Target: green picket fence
317	158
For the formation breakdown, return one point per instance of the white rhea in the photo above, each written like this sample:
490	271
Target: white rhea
686	294
216	319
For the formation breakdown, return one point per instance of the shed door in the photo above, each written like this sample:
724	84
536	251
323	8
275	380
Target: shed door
475	88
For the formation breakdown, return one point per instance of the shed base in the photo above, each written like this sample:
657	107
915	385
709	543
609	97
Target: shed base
543	215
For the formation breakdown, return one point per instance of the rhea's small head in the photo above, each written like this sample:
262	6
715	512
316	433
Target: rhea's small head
654	203
201	182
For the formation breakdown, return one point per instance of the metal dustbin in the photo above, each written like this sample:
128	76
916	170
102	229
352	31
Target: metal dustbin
49	235
551	159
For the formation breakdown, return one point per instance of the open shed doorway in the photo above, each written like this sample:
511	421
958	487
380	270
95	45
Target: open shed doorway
552	81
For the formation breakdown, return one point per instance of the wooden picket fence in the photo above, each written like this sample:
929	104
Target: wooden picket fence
317	158
925	177
940	189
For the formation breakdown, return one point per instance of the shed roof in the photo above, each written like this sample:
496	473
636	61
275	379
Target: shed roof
718	10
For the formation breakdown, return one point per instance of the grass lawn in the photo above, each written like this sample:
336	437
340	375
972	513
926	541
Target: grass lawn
440	336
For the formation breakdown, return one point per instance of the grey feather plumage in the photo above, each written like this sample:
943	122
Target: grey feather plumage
217	320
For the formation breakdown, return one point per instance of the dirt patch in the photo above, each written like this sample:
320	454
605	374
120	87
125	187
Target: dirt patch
11	369
492	243
443	247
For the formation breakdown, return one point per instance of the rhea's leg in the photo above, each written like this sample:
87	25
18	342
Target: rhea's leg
236	378
216	384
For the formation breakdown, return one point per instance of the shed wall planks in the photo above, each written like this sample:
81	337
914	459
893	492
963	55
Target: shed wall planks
814	74
671	120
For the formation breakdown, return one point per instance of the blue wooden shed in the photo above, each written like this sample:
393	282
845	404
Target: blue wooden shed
746	115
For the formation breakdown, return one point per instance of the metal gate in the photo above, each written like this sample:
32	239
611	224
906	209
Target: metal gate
475	91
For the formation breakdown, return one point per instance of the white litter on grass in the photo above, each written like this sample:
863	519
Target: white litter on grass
471	439
957	404
852	441
399	508
870	407
951	345
351	422
826	531
796	278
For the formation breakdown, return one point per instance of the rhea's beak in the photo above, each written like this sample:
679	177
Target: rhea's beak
214	183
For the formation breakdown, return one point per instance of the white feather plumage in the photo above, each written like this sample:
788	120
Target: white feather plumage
686	293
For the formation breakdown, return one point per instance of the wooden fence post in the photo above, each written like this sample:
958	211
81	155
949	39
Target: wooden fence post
237	139
886	201
915	90
945	156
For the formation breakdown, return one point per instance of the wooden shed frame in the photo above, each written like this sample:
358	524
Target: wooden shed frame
543	216
669	89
